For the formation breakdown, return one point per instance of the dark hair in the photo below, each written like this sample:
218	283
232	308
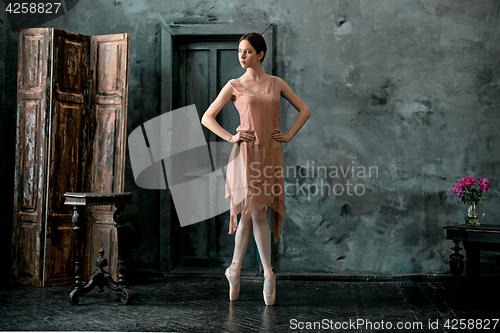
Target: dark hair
257	42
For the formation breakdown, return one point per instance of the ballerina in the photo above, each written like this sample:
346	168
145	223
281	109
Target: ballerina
256	96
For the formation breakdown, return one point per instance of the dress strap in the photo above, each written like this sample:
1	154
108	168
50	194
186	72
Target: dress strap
238	89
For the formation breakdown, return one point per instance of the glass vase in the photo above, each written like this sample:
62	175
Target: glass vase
472	215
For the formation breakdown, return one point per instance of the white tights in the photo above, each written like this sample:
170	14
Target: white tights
258	222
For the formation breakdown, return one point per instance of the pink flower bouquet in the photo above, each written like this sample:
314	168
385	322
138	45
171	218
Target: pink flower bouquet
471	196
463	189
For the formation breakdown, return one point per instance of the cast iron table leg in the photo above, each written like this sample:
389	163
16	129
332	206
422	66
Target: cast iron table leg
473	267
78	256
456	260
120	217
100	278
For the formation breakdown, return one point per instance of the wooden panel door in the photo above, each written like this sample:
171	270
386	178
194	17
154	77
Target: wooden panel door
176	245
203	67
67	150
108	115
33	88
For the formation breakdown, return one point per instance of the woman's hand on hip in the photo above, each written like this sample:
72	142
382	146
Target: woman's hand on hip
279	136
242	136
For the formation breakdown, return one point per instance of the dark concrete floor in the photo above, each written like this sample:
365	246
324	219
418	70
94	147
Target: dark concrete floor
201	305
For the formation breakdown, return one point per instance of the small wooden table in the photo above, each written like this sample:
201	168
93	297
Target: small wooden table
485	237
100	278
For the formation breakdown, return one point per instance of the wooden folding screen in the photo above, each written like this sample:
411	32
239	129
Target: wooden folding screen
71	122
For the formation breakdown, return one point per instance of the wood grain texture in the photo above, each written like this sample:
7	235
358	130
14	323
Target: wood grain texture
33	77
67	148
54	155
107	141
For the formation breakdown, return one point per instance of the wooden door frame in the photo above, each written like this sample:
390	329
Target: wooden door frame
167	35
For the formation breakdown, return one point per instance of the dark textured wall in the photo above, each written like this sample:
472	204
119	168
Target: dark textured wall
409	88
8	72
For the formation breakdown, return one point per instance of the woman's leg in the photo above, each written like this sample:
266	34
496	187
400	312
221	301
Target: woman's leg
261	235
263	240
241	240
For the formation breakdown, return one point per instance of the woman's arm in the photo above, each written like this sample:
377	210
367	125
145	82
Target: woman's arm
299	105
208	119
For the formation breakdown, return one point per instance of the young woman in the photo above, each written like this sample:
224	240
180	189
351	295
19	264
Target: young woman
253	178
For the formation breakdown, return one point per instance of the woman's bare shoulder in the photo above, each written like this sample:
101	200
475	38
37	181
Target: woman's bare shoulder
227	92
282	84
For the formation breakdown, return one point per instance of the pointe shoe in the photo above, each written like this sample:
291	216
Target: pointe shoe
268	273
233	292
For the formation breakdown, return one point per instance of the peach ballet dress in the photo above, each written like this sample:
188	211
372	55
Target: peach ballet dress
254	175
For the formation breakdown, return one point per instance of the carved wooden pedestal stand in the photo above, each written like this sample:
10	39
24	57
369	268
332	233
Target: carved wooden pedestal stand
100	278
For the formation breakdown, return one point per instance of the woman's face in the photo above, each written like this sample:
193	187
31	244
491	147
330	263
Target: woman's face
247	55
